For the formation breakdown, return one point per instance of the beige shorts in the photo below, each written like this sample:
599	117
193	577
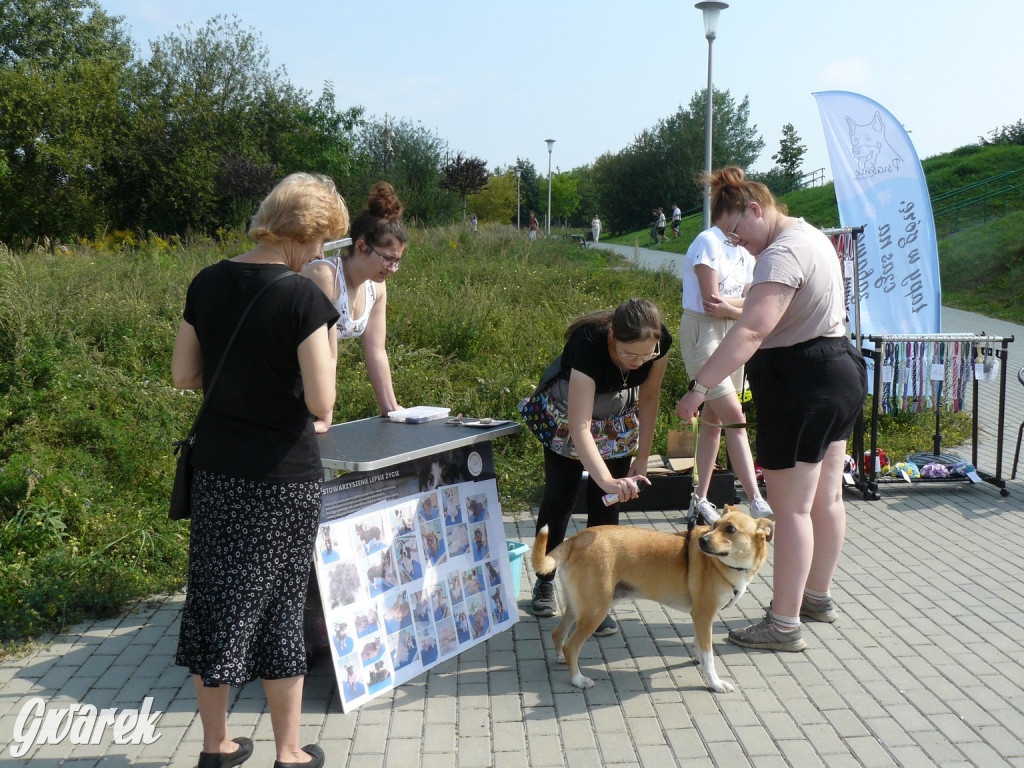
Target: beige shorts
699	336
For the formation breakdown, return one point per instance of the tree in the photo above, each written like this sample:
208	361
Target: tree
791	152
589	201
319	137
528	186
1008	134
497	200
565	198
203	94
63	67
409	156
464	175
663	163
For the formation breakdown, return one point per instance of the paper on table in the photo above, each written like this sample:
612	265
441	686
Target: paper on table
419	414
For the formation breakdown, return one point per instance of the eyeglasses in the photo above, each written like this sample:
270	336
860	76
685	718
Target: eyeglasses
389	262
731	238
631	358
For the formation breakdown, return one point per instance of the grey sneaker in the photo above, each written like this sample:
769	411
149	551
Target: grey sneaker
706	511
543	603
759	509
819	610
765	635
606	627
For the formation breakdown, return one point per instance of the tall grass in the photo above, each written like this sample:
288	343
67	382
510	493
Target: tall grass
87	411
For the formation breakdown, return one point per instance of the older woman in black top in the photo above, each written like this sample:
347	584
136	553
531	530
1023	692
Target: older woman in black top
256	488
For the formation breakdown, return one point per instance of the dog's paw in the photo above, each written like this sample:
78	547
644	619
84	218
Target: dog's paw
721	686
560	657
582	681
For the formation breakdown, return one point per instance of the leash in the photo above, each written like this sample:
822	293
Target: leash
691	519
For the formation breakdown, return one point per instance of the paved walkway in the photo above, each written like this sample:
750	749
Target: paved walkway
925	666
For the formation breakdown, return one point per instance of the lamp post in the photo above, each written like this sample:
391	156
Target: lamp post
547	226
710	11
519	173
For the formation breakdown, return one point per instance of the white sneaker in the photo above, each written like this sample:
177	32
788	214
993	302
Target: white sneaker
759	509
707	511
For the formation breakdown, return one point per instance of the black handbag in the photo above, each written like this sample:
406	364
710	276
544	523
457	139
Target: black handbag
181	493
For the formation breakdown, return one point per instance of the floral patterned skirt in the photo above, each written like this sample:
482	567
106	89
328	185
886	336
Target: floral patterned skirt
249	559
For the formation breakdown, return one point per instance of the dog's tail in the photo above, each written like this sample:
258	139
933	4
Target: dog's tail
546	563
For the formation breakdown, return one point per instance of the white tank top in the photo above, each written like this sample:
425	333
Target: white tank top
349	328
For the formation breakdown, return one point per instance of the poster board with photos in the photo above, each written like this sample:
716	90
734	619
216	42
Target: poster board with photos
413	568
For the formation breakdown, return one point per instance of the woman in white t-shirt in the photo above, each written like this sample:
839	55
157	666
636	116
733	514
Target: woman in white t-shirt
716	277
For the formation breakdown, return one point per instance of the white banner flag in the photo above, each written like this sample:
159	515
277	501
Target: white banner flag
880	184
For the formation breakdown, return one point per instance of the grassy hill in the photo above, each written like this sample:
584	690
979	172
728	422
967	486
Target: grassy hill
981	248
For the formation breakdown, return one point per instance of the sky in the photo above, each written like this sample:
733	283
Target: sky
495	79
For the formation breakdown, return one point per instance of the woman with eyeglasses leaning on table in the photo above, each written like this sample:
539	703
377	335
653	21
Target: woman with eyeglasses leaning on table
356	283
808	384
604	388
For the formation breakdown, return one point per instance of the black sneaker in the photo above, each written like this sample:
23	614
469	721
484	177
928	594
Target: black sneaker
606	627
543	603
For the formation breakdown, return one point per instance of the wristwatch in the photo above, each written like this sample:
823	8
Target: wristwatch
695	387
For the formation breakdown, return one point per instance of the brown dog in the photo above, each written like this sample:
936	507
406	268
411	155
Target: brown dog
701	571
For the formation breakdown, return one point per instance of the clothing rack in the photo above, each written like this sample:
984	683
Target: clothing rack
844	240
978	346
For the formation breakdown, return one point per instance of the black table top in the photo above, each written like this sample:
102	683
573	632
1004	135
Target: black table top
368	444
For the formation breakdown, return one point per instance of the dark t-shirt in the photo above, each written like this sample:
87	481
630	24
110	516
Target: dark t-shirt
256	425
587	351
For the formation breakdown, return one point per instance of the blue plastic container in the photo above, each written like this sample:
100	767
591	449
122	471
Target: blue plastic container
516	551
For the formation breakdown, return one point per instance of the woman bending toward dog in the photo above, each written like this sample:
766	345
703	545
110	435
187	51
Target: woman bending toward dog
808	385
608	378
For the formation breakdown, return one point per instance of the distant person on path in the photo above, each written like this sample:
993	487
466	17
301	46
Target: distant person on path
809	386
534	224
472	223
716	277
357	284
654	226
595	228
661	226
256	491
676	218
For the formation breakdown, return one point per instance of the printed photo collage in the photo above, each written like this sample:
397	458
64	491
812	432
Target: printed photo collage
409	583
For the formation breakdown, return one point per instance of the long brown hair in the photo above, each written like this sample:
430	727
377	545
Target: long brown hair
632	320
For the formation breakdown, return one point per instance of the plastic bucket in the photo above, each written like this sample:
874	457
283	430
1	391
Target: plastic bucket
516	550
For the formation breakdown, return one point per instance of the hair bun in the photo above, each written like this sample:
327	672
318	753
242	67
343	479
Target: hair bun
383	202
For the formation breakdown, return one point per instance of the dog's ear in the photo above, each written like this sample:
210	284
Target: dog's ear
766	528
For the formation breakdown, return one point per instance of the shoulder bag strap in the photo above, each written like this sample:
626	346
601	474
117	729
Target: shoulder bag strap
227	348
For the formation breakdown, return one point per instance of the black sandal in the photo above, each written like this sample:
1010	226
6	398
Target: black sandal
310	749
227	759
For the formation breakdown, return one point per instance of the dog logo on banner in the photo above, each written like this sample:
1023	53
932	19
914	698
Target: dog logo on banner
871	151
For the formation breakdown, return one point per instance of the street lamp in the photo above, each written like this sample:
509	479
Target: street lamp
519	172
710	11
547	227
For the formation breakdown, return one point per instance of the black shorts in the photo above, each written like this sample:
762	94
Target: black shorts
807	397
